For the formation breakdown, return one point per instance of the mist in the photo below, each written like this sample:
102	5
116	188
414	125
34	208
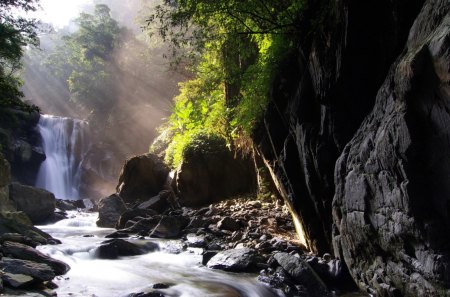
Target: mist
144	88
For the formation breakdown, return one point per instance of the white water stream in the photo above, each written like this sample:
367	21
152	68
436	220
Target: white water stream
109	278
65	142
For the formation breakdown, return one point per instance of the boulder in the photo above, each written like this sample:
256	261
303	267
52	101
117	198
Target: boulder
143	226
142	177
237	260
210	172
130	214
38	271
71	204
170	227
17	280
24	252
299	270
114	248
228	223
18	222
16	237
194	240
109	211
157	203
38	204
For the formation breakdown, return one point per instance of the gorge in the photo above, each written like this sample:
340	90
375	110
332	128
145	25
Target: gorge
309	143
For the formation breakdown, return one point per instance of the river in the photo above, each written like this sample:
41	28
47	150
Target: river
108	278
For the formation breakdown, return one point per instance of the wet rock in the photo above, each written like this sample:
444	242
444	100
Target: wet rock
38	204
109	211
198	222
157	203
130	214
142	177
237	260
17	280
228	223
162	286
38	271
24	252
144	226
70	204
207	255
18	222
114	248
16	237
117	234
194	240
170	227
148	294
302	273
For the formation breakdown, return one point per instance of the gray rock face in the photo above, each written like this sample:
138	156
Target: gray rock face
238	260
391	207
320	98
142	177
5	174
5	179
38	271
109	211
24	252
38	204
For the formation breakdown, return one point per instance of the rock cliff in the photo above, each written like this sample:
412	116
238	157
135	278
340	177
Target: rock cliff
356	138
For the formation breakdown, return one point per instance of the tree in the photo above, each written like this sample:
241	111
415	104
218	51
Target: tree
15	33
233	47
85	60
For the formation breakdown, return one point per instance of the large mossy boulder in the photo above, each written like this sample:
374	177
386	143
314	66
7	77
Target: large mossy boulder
210	172
38	204
142	177
109	211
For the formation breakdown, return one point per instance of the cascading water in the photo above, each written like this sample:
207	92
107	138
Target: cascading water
90	276
65	143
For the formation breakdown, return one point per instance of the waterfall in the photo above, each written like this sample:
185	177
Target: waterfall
65	142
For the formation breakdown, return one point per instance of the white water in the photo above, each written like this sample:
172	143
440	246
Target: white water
110	278
65	143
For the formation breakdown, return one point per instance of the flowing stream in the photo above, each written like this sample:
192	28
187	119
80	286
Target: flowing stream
65	142
108	278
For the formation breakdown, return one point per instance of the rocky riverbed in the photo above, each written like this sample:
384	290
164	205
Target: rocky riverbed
240	235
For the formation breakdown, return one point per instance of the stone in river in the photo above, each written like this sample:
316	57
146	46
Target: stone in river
238	260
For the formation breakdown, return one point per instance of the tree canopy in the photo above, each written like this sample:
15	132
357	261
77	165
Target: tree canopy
15	33
84	60
234	48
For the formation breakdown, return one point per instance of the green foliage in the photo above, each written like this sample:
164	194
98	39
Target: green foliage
235	47
85	60
15	33
256	81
